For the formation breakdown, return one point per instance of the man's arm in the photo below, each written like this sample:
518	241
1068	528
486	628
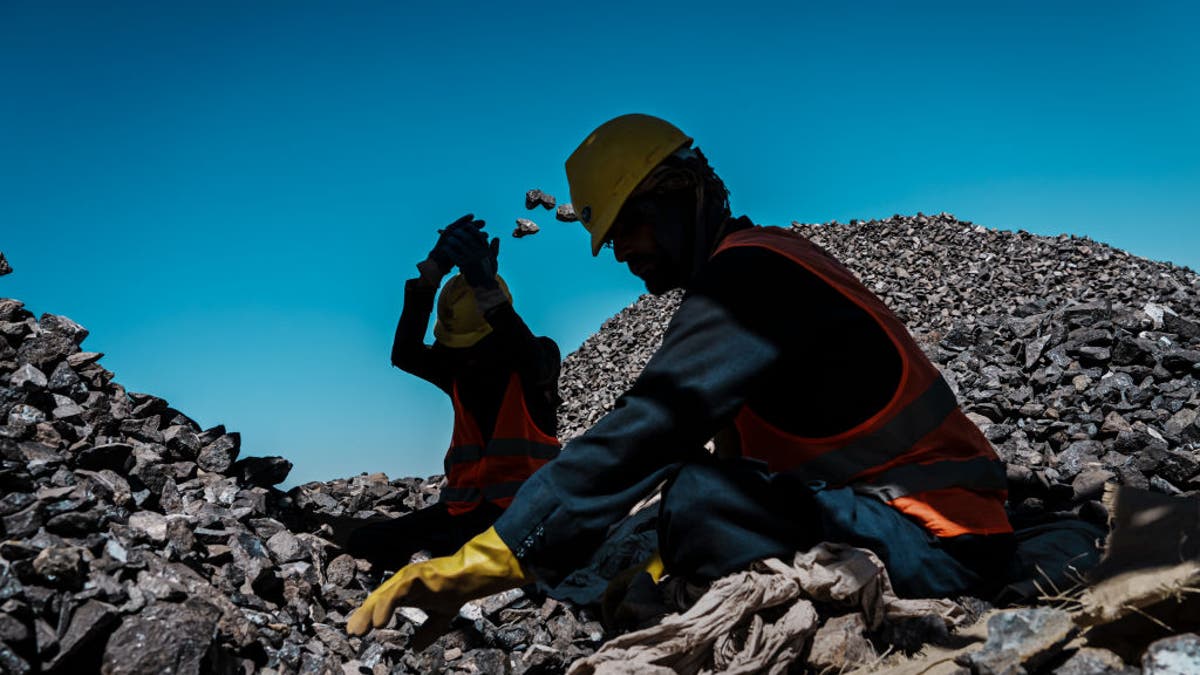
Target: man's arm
409	351
696	381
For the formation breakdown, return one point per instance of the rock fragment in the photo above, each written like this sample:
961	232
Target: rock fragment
536	198
565	213
1176	655
165	638
525	227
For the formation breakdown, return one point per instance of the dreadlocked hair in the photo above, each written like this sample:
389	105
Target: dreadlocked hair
689	171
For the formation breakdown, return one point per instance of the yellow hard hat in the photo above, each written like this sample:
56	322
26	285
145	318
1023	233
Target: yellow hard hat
459	322
604	170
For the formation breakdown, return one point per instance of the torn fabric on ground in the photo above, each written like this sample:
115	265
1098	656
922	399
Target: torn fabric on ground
725	631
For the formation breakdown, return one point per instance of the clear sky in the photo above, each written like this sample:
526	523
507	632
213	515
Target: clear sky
230	195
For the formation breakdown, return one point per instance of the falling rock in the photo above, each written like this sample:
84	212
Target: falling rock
1177	655
841	644
565	213
5	268
165	638
536	198
525	227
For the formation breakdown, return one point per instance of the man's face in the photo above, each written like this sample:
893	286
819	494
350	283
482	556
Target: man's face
636	241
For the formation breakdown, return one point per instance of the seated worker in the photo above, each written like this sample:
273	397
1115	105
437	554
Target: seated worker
831	423
502	381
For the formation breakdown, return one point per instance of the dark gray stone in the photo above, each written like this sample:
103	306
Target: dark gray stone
565	213
261	471
88	626
1020	640
525	227
536	198
112	456
219	455
164	638
28	378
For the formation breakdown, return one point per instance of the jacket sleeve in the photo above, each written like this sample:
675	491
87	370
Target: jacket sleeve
693	384
409	351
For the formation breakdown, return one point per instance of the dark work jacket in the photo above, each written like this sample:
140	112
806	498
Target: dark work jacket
754	329
477	378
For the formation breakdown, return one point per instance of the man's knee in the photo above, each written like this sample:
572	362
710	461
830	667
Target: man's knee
716	517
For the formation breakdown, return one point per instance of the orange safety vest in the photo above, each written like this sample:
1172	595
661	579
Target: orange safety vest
919	454
493	471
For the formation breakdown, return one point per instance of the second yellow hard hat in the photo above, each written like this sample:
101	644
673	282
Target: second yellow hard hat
459	322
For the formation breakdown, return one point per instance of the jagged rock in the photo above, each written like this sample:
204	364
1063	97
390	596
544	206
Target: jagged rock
29	378
536	198
148	524
89	624
112	456
565	213
525	227
261	471
61	566
165	638
219	455
1020	639
161	511
341	571
1176	655
1092	661
285	547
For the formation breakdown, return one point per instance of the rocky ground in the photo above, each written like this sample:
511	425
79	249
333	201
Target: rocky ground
135	541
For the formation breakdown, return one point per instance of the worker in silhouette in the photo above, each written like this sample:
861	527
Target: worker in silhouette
502	381
830	422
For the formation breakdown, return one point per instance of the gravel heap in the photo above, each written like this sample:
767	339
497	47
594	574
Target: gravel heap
125	525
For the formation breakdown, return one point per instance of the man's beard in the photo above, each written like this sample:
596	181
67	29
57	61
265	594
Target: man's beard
659	275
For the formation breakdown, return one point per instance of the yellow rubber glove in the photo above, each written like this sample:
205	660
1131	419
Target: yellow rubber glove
483	566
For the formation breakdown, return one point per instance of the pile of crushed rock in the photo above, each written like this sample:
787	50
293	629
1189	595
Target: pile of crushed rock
124	524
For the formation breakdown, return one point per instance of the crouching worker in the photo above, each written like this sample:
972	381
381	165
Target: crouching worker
502	381
831	423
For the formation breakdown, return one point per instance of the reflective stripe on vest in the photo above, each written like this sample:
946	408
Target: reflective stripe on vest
919	453
493	472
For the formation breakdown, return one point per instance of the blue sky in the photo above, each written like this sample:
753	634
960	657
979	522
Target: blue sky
231	195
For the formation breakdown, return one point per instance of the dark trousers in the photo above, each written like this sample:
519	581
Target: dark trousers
388	544
717	517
